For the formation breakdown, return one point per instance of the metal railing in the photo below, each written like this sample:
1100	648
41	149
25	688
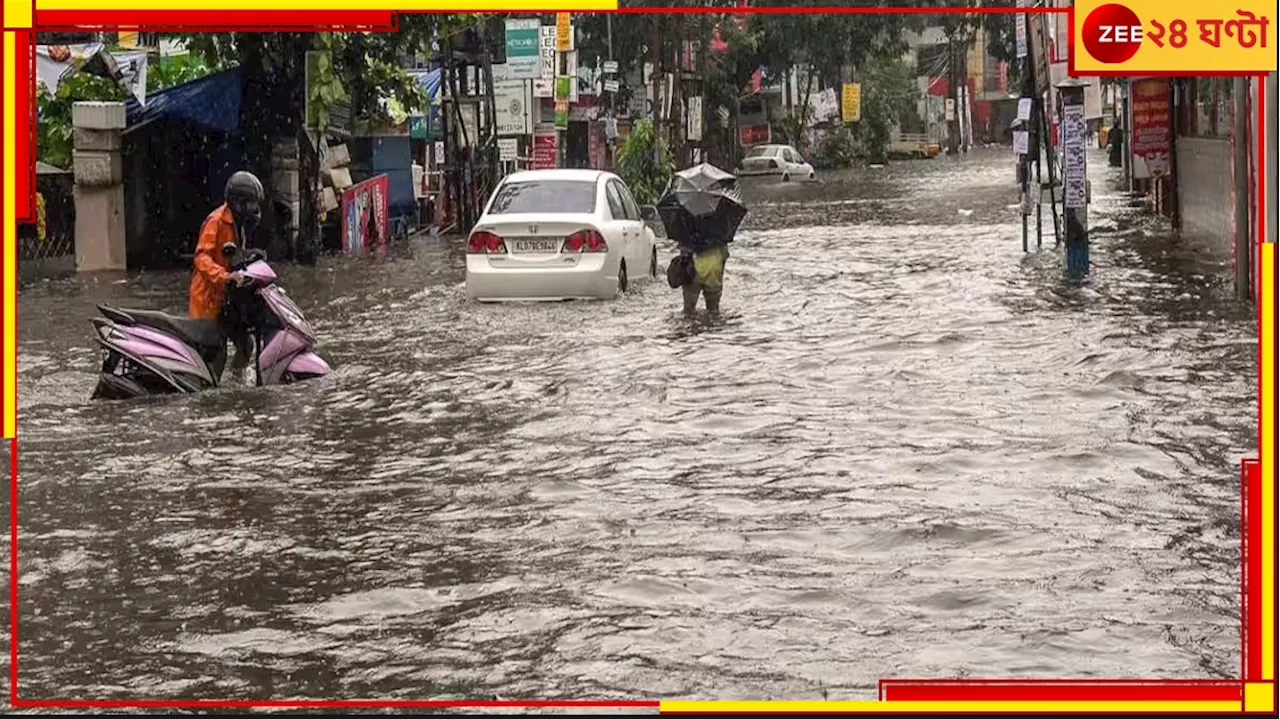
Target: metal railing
53	234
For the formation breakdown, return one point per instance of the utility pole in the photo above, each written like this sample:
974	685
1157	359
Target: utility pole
1242	253
1075	192
952	83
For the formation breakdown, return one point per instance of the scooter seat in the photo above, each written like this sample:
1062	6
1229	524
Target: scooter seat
199	333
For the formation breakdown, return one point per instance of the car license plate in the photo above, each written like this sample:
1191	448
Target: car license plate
539	245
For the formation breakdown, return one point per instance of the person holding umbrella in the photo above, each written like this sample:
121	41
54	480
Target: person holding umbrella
701	208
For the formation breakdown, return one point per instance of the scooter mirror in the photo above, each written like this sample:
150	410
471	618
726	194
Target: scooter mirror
229	250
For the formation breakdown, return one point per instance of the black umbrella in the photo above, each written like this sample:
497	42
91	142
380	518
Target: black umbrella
702	206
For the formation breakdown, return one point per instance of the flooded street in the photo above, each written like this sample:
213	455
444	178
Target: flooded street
906	450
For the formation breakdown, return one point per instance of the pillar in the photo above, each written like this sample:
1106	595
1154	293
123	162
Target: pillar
1075	194
97	129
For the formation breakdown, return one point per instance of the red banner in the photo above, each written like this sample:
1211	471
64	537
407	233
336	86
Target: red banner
364	215
749	135
1150	138
544	150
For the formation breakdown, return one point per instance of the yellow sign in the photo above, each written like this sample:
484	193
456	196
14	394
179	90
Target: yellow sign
564	33
851	102
127	39
1185	37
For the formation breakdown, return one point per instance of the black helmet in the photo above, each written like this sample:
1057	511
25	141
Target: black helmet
245	195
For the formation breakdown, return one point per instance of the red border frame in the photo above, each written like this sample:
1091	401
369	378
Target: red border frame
1099	690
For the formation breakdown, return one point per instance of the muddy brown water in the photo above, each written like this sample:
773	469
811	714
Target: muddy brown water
906	450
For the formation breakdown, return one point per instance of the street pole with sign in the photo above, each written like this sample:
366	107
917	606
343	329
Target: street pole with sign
1075	185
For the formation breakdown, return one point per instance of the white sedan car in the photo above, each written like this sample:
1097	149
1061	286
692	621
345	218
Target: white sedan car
779	160
559	235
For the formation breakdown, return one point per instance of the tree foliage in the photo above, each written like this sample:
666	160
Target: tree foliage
645	163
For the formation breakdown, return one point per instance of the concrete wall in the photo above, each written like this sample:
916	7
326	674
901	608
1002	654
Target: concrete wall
1204	189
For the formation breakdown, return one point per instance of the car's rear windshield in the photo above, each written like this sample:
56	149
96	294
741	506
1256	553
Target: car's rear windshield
762	151
557	196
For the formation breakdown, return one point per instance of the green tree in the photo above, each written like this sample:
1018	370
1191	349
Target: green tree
889	93
645	163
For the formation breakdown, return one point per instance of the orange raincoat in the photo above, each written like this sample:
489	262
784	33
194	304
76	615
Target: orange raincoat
209	281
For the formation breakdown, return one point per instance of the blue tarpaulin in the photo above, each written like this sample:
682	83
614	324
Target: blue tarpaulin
429	80
212	103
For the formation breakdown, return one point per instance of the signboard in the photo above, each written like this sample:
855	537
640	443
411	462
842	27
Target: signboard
417	127
564	33
364	215
611	67
1149	105
1039	50
1187	37
543	87
508	149
851	102
571	70
1074	131
564	87
435	122
1020	32
1021	142
693	120
1024	109
523	52
950	112
562	114
511	107
545	145
547	52
610	85
828	105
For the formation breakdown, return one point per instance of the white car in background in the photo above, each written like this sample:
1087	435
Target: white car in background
559	235
780	160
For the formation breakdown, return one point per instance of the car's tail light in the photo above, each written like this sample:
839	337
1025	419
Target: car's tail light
585	241
483	242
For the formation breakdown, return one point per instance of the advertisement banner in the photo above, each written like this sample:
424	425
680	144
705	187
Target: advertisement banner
1149	103
562	114
851	102
364	215
545	146
547	52
1074	133
564	33
523	51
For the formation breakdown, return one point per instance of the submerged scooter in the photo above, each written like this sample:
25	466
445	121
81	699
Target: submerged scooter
148	353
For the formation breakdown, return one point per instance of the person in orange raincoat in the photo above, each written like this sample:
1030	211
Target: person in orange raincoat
225	226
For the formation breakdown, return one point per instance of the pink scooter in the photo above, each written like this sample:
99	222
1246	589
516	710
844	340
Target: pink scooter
148	353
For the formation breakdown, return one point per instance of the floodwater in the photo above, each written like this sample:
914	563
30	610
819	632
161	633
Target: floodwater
906	450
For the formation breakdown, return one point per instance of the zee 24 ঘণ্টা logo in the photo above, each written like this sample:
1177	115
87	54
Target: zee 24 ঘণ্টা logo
1220	35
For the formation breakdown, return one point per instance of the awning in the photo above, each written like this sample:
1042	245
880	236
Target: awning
211	103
